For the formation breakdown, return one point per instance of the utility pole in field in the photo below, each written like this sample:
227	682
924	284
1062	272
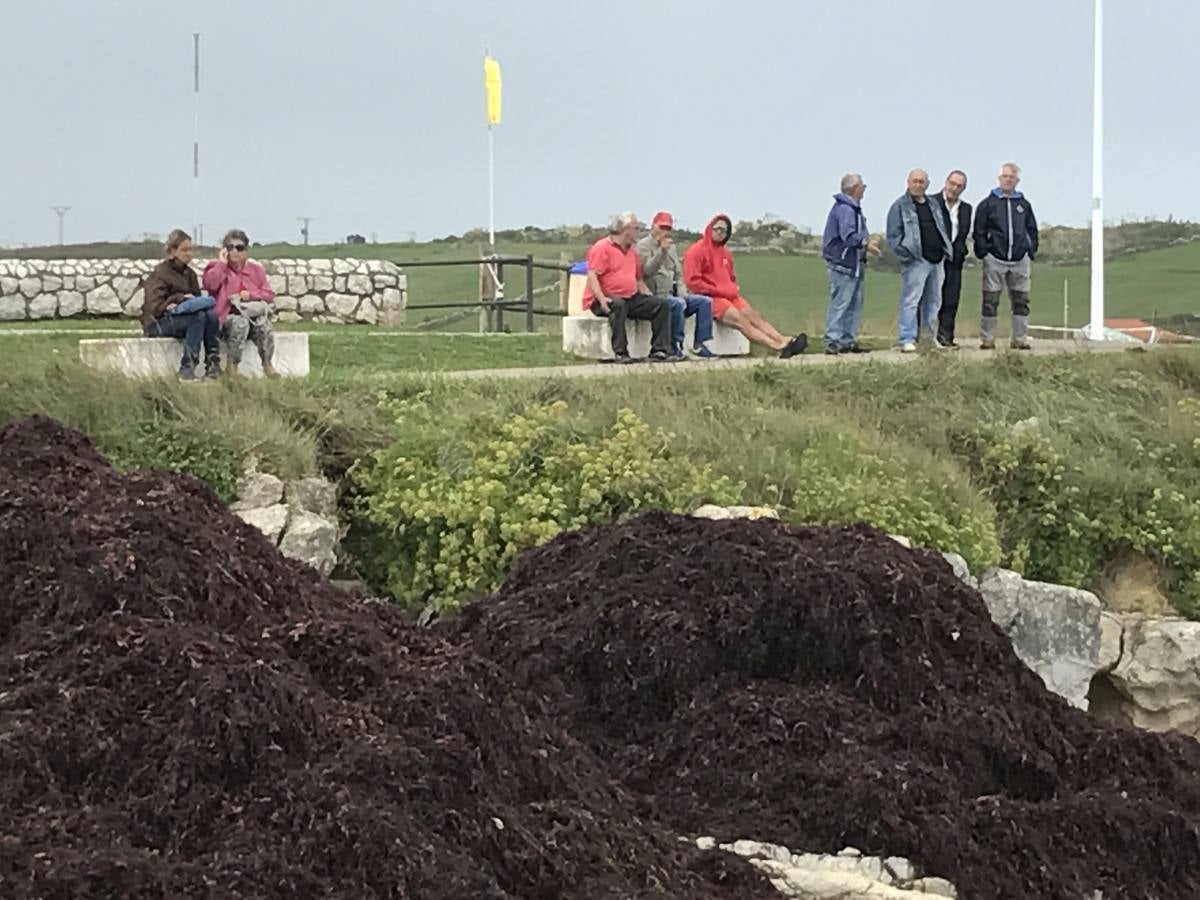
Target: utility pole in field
62	212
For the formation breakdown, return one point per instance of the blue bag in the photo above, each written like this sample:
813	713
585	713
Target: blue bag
193	304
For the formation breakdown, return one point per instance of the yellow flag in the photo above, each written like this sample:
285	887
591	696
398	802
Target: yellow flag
491	81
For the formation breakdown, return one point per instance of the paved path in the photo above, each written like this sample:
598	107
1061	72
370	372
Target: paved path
811	358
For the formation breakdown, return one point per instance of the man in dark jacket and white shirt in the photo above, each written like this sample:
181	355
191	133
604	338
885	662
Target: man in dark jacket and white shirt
1006	239
958	221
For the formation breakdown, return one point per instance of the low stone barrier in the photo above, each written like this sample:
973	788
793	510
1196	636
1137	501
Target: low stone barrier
320	290
588	336
154	357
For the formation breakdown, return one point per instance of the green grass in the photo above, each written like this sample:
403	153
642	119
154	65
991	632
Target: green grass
351	353
793	291
336	351
790	290
450	284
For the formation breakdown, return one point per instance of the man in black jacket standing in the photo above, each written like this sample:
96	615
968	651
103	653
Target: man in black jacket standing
1006	239
957	213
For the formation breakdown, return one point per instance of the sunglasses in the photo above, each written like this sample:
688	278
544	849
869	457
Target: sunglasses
720	228
238	247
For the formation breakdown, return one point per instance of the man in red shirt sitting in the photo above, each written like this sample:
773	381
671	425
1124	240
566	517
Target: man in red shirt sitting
708	270
617	291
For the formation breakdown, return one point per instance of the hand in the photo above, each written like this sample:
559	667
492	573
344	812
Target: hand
170	307
245	295
223	255
665	242
603	301
873	247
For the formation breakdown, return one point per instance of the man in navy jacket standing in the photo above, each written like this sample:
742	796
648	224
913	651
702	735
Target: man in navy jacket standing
844	247
1006	239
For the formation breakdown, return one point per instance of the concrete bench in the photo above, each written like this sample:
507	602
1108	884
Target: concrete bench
588	336
143	357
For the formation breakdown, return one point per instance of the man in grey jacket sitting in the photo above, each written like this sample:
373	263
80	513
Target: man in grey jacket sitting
663	271
917	234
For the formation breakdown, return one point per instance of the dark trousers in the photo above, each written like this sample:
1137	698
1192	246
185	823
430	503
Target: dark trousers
196	329
640	306
951	292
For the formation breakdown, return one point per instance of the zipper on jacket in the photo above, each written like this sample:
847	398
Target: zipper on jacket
1010	230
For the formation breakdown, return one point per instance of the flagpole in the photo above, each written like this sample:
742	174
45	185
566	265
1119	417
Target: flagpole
491	188
1096	327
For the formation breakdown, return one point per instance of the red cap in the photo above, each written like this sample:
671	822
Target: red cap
663	220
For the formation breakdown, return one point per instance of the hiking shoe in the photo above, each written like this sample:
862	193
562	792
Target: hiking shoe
188	375
622	359
795	346
987	345
702	352
831	350
1020	344
856	348
213	372
908	347
658	356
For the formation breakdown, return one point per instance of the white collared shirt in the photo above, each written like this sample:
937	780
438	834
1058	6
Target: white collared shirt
953	210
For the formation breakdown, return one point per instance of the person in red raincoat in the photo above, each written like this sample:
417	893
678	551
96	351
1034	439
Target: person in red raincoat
708	270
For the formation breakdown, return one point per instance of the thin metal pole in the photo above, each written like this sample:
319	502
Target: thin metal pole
529	292
500	296
1096	328
196	132
1066	307
491	189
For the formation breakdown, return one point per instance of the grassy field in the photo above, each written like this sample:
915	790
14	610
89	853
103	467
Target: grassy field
793	290
336	351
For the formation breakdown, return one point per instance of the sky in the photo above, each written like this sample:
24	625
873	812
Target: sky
369	116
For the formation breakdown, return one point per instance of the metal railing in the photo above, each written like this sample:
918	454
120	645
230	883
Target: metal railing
498	305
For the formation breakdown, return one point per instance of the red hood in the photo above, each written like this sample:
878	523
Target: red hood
708	237
708	266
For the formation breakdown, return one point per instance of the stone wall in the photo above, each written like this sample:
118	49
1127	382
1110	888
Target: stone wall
319	290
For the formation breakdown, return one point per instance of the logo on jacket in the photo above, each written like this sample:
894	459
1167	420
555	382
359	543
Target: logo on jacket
1020	208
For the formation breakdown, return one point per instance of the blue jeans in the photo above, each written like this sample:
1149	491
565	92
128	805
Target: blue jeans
920	297
845	309
197	329
690	305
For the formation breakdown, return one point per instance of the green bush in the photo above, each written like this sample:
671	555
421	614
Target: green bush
438	521
171	445
838	478
1062	522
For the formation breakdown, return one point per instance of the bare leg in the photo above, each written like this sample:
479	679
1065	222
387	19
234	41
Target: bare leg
757	320
736	318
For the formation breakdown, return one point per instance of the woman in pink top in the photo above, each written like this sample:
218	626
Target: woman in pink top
244	298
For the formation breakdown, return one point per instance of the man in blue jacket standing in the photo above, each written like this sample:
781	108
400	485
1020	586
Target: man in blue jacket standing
845	246
1006	239
917	233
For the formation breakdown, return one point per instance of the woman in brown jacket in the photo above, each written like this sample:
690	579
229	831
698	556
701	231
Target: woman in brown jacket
175	307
